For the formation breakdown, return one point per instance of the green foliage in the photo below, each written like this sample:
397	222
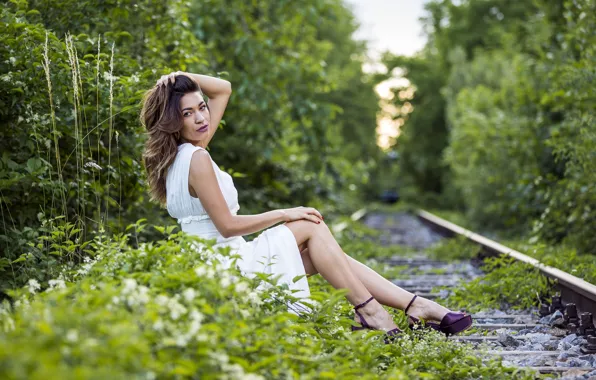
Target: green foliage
296	90
159	311
495	152
502	125
458	248
71	140
522	144
559	256
73	76
506	283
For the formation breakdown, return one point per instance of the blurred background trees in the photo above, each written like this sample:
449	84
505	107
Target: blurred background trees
502	125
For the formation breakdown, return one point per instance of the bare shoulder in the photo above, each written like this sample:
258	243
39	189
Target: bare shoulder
200	162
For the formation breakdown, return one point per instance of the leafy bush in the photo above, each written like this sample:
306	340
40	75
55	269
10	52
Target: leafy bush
495	152
73	76
559	256
160	311
507	283
515	120
458	248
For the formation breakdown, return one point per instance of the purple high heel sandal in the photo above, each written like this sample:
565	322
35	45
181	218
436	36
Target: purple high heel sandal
365	325
451	324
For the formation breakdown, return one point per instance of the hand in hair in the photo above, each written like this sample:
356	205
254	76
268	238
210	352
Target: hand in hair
171	78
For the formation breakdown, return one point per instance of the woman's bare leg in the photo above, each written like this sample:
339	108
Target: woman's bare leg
331	262
384	290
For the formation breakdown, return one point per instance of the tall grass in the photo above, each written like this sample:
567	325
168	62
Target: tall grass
54	133
76	222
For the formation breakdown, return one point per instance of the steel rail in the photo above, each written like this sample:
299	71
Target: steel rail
573	289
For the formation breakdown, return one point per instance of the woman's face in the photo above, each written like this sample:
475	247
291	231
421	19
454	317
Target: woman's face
196	118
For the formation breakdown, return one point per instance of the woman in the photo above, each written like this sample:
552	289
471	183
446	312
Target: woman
203	198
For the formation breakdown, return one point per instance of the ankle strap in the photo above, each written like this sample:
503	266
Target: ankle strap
363	303
410	304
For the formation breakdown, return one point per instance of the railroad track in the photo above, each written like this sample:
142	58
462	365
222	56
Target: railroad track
558	339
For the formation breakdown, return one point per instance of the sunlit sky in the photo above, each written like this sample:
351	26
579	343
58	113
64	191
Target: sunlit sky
389	25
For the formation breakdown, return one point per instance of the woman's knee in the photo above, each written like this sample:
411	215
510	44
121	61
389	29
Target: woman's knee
307	227
304	230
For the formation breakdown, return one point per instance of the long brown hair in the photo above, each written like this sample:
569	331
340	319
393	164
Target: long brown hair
162	118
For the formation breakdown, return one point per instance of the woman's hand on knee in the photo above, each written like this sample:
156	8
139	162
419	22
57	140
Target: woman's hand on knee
299	213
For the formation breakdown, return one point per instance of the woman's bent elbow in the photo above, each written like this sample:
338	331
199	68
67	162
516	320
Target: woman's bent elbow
225	232
226	228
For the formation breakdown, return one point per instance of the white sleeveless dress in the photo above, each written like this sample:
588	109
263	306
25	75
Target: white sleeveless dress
273	251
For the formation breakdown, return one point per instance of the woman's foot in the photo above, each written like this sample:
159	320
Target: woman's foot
422	308
450	323
375	316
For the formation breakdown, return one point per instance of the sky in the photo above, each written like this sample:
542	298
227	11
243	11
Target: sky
389	25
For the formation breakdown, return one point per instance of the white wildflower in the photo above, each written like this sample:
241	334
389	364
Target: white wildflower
84	269
201	271
57	284
220	357
241	287
109	77
181	340
196	315
189	294
143	294
6	77
194	327
161	300
176	309
6	321
254	298
92	164
129	285
134	78
33	285
251	376
235	370
72	336
158	325
22	303
225	281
